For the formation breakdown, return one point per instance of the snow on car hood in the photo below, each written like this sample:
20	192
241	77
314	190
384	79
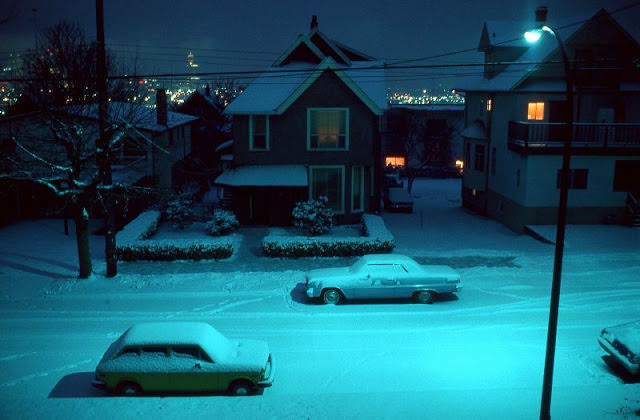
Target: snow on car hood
320	274
249	354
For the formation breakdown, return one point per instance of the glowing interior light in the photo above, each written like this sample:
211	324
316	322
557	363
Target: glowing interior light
532	36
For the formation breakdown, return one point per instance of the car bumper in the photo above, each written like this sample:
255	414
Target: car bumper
633	368
268	381
96	383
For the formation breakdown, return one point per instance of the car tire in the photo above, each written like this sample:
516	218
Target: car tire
240	388
129	389
425	296
331	296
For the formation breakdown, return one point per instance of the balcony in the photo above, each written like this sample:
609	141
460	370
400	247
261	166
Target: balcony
533	138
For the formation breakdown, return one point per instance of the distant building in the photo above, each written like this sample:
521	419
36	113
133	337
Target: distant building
439	128
515	124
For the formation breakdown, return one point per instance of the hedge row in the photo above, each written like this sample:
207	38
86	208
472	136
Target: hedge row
133	243
377	239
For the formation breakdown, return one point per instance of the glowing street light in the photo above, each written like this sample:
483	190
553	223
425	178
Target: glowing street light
547	384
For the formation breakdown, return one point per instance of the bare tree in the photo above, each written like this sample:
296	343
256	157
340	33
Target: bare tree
57	146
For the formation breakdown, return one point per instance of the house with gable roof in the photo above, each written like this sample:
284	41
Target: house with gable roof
515	124
309	126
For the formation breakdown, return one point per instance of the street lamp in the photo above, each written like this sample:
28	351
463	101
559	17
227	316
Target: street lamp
547	384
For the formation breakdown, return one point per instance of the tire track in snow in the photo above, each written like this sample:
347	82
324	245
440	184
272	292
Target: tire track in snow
26	378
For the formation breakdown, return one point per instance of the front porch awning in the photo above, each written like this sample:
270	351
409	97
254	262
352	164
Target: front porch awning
265	176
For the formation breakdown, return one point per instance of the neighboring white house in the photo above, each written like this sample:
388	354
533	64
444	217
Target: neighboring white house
515	124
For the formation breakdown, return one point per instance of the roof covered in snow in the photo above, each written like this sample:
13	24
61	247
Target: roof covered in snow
265	176
276	89
514	76
137	115
299	66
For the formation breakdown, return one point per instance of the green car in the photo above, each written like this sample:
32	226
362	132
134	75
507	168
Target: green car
181	357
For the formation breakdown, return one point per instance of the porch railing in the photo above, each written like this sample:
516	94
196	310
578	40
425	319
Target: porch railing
534	137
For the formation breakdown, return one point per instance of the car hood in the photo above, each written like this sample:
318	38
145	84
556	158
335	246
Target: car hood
321	274
249	354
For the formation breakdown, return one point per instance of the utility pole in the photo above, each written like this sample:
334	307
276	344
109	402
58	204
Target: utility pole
104	149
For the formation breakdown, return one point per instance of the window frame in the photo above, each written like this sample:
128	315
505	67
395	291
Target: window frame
252	146
479	164
341	168
360	181
312	110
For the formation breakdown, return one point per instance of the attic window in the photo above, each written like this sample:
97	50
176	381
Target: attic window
535	111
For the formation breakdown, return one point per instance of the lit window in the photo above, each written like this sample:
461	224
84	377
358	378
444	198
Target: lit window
535	111
259	129
489	104
394	161
328	128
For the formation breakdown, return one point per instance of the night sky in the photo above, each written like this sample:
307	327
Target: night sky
248	35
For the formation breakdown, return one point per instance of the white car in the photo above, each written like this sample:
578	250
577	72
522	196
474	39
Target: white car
183	357
623	343
382	276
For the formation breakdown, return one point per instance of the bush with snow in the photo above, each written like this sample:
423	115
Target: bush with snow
376	239
179	211
313	216
223	223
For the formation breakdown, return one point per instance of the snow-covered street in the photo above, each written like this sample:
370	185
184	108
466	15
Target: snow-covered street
478	354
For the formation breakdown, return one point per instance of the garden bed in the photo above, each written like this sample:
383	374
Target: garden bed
370	237
145	239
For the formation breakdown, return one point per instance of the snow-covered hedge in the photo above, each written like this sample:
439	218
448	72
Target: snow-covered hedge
133	243
142	227
376	239
169	250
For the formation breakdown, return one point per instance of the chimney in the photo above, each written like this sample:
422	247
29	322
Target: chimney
541	14
314	22
207	90
161	106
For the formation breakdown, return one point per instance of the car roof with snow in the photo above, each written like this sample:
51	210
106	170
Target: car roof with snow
176	333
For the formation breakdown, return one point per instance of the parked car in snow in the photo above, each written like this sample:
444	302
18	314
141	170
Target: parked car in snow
382	276
397	199
183	357
623	343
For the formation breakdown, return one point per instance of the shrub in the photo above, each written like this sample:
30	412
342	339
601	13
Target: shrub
223	223
313	216
179	211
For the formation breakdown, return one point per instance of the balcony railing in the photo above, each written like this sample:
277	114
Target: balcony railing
587	138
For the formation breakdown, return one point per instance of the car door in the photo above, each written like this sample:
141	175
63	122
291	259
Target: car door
381	281
192	370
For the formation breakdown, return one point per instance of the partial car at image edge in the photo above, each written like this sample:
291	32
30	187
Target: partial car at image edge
622	342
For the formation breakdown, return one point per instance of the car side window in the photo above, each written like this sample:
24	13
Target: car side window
190	352
385	270
153	351
130	351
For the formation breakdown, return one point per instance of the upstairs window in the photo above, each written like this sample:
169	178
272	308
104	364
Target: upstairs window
478	163
535	111
327	128
259	129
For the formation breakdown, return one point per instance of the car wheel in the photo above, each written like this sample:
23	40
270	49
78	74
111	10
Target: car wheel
425	297
129	389
331	296
241	388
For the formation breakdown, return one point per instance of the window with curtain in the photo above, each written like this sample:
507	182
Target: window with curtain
328	128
